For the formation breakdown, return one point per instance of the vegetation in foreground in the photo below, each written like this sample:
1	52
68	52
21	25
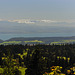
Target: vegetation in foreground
37	59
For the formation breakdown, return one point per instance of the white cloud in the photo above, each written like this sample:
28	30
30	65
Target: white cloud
29	21
22	21
33	21
48	21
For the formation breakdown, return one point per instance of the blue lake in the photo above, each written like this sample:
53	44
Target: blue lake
8	36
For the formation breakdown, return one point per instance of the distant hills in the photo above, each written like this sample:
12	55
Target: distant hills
37	40
1	41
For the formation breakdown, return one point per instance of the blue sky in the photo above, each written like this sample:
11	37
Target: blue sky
37	9
37	16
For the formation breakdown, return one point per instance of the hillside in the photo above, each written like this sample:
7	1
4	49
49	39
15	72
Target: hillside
1	41
37	40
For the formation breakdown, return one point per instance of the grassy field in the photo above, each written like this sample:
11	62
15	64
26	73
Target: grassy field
10	42
34	41
18	42
63	42
37	41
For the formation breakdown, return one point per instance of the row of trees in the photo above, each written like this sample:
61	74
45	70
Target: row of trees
37	58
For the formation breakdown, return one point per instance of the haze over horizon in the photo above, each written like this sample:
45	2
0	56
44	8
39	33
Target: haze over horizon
37	16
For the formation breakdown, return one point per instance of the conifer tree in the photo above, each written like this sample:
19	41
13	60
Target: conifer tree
37	64
9	68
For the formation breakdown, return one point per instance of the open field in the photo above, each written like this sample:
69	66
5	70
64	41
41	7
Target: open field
63	42
34	41
10	42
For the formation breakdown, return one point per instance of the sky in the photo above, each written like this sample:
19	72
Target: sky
37	16
37	9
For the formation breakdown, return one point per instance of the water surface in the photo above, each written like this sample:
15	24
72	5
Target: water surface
8	36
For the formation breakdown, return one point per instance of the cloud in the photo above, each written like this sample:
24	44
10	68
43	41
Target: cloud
48	21
29	21
1	20
22	21
41	21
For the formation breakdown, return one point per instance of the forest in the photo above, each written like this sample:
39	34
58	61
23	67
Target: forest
39	59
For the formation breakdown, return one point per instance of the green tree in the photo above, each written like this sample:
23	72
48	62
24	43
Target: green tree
37	63
9	67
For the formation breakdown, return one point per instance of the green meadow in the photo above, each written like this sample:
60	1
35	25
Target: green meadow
63	42
10	42
34	41
20	42
37	41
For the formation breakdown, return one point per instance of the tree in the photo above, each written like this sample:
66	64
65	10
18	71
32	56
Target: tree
37	64
9	67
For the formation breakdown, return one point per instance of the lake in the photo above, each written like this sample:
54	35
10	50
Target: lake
8	36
